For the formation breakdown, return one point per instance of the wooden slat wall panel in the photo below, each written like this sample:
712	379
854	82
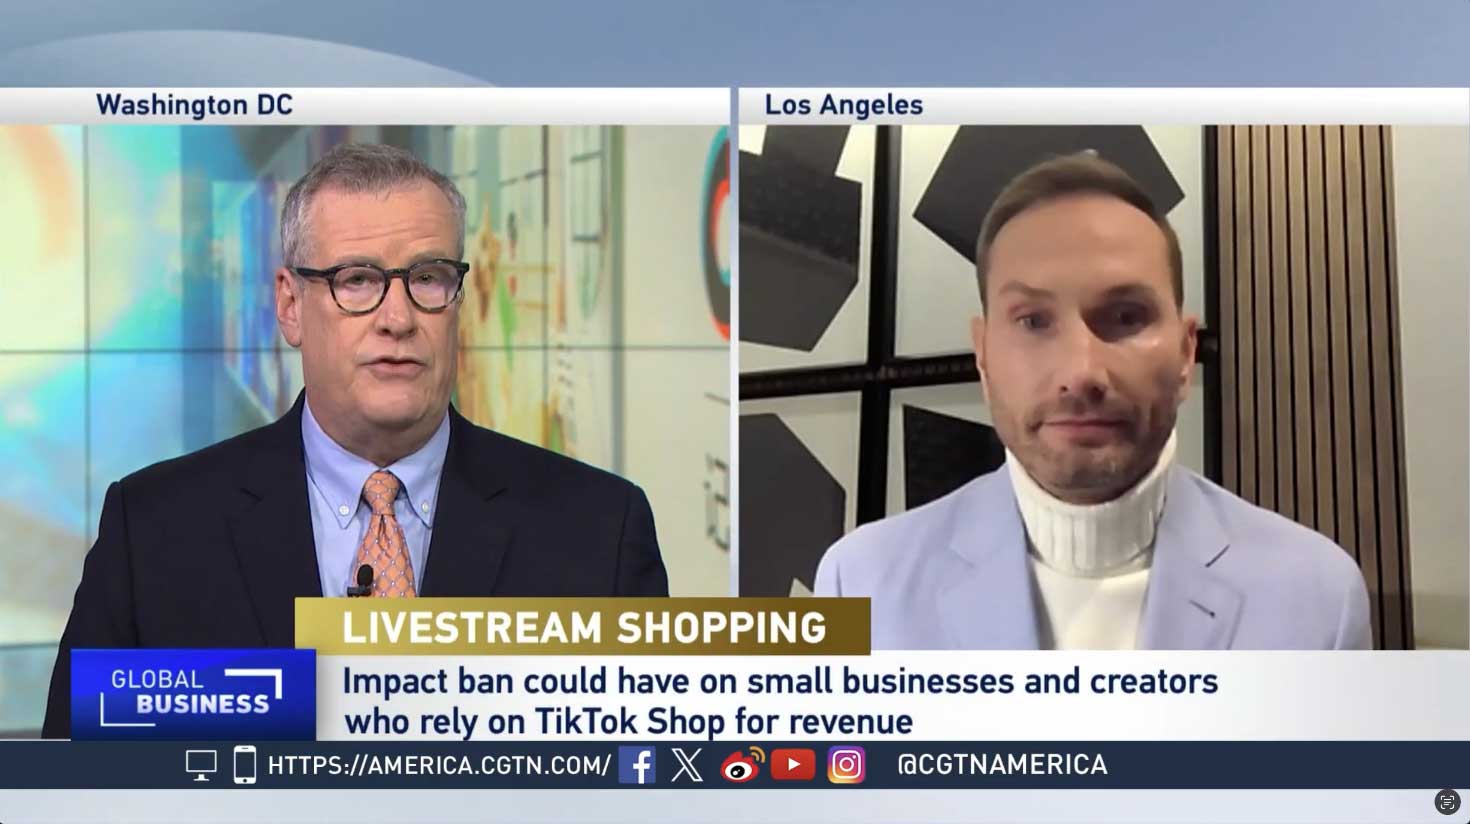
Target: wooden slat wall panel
1225	210
1301	327
1309	343
1380	305
1281	360
1337	314
1396	390
1266	463
1320	305
1364	471
1245	304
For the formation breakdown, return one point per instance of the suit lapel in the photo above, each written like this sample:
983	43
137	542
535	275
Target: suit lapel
988	603
470	538
272	533
1189	605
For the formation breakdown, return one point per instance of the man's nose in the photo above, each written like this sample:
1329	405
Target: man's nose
396	315
1083	370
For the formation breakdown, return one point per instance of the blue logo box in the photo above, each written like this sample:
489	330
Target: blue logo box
193	694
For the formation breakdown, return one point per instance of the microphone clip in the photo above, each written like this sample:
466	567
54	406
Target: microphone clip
364	586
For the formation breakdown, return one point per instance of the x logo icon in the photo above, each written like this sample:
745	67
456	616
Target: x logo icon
686	765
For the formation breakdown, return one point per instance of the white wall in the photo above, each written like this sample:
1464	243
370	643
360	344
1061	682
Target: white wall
676	364
1431	168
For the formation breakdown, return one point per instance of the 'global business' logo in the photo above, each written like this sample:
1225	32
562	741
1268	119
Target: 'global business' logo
195	694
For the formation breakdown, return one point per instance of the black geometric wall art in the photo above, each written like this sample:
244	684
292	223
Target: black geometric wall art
791	508
818	148
983	159
941	453
800	231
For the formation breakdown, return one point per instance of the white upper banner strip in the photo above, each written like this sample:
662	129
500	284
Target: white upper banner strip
1159	106
710	106
356	106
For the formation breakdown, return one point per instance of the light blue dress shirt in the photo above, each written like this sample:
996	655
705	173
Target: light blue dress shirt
339	517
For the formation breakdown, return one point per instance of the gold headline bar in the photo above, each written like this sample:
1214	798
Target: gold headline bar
584	626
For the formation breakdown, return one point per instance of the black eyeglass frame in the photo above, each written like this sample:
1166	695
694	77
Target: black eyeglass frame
389	275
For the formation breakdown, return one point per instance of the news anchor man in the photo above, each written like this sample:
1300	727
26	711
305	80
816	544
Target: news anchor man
1090	536
372	467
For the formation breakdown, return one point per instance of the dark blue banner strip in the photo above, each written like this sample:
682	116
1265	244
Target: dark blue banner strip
703	764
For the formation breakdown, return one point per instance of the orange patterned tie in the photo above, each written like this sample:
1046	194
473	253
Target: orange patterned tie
383	547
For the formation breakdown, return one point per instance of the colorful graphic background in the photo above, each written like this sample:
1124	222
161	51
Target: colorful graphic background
137	324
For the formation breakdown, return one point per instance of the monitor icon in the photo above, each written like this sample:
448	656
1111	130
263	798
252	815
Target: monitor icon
200	763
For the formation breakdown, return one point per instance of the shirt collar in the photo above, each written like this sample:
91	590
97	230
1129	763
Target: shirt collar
339	475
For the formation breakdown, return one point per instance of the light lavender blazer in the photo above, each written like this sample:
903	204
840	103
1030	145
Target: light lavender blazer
952	574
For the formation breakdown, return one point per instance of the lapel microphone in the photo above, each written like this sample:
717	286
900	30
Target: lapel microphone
364	586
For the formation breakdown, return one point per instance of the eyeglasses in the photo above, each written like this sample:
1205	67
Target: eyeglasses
359	288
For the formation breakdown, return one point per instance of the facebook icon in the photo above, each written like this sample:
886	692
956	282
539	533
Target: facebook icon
636	765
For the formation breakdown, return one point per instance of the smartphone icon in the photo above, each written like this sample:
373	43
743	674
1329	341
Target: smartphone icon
245	764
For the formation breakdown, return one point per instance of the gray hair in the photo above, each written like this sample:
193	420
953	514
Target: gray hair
359	168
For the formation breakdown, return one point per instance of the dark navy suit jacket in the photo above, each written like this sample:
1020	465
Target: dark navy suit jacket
212	548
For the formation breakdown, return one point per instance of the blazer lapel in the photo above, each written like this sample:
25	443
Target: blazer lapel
272	532
470	537
987	603
1189	605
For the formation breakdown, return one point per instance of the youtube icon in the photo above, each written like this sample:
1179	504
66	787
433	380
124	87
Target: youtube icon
793	765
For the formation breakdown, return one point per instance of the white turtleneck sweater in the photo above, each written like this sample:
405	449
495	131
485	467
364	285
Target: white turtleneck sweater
1090	564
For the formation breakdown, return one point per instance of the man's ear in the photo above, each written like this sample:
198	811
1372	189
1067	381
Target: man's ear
977	341
288	307
1188	344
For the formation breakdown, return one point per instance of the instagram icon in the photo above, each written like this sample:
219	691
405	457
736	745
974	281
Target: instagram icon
846	764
